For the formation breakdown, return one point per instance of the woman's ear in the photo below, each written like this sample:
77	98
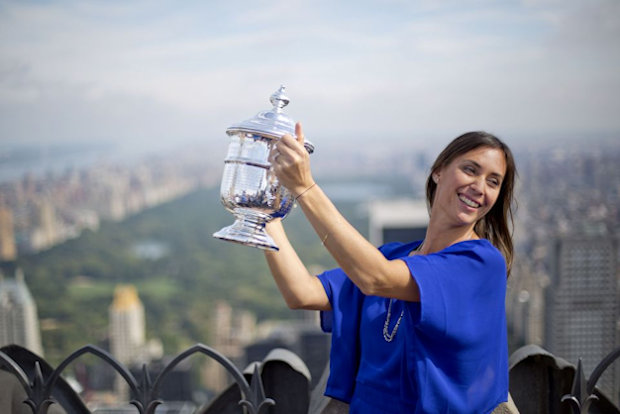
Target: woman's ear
435	177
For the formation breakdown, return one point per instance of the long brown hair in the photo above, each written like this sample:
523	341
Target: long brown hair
497	225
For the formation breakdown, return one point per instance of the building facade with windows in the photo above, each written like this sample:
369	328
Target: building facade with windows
19	322
582	305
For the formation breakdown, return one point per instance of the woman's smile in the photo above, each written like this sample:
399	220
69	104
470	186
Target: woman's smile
469	202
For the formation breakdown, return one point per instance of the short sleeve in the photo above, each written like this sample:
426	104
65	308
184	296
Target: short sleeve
345	298
458	354
459	288
343	323
334	282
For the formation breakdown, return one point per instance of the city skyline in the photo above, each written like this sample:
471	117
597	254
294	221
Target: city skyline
563	192
154	74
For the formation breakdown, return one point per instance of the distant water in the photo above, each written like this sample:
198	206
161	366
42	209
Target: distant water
17	160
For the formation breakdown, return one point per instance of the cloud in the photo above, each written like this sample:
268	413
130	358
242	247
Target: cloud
109	71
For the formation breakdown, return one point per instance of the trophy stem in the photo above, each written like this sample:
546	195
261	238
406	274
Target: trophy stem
248	229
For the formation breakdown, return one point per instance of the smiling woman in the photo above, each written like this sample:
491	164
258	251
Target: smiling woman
472	149
420	324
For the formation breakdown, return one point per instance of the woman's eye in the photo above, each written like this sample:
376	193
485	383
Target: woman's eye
469	169
494	182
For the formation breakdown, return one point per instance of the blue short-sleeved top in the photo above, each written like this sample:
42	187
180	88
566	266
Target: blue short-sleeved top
449	354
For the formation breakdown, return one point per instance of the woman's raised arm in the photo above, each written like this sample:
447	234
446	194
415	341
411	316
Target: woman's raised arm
300	289
363	263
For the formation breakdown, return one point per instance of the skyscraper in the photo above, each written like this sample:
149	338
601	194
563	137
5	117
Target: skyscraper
127	332
582	306
127	326
232	331
525	304
8	248
401	220
19	323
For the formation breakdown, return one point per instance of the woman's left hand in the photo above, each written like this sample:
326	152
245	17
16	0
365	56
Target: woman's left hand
290	162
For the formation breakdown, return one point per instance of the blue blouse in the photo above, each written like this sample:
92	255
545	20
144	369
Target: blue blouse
450	352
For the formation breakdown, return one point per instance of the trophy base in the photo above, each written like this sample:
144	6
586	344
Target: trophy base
248	230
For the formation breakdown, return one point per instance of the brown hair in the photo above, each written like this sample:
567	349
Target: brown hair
497	224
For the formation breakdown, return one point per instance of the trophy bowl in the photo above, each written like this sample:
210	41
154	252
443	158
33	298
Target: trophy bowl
250	190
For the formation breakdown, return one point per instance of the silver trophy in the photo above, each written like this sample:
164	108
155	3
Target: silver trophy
249	188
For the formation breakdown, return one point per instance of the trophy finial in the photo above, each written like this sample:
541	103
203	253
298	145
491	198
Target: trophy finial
279	100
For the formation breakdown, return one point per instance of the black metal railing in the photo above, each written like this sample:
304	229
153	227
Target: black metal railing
145	392
582	393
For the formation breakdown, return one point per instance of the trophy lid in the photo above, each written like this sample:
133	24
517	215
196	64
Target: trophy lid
272	123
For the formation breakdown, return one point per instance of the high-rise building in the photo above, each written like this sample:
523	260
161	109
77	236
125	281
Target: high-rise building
127	326
8	247
401	220
45	234
19	323
127	332
582	305
525	305
232	331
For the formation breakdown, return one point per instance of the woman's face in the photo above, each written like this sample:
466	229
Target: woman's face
468	187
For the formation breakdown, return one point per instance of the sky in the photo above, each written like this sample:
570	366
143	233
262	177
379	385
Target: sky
156	73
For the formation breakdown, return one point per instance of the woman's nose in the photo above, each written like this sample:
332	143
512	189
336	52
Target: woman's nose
478	185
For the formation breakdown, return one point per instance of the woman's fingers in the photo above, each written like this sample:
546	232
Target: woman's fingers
289	144
273	155
289	151
290	161
300	134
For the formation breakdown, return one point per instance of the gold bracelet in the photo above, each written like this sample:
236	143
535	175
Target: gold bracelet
304	192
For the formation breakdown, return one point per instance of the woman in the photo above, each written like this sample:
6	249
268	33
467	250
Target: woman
416	327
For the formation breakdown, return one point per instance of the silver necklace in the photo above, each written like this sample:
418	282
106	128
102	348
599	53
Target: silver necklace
386	326
387	335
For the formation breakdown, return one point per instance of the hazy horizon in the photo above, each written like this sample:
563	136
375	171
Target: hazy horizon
20	158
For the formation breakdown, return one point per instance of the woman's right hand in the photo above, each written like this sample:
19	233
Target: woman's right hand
290	162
